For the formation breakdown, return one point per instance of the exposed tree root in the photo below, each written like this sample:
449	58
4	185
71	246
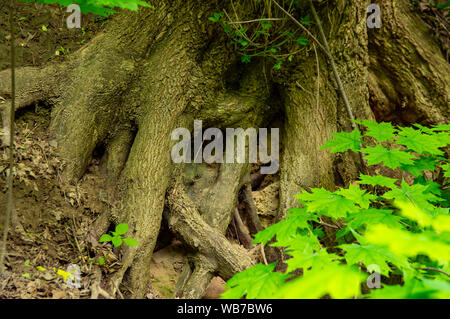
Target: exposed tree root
250	209
244	236
185	221
216	207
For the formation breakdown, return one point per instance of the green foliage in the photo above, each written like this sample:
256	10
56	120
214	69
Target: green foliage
377	180
116	237
392	226
344	141
98	7
271	35
391	158
259	281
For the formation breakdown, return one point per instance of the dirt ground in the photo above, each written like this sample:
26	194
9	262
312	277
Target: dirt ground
42	35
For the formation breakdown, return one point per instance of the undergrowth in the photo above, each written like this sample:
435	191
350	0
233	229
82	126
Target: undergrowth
390	234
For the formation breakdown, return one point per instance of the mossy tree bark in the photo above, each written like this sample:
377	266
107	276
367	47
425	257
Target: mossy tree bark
153	71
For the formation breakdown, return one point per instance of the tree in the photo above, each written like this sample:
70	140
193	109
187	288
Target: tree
157	69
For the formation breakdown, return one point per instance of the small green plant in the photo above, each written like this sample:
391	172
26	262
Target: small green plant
116	237
274	38
385	227
83	33
64	51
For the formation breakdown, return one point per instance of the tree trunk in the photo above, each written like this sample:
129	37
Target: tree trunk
153	71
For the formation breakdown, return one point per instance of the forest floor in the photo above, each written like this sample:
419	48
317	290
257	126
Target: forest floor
52	219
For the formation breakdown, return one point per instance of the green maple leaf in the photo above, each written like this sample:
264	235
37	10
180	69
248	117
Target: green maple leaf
344	141
282	227
419	142
377	180
373	216
338	281
414	289
328	203
432	187
380	131
299	242
309	259
423	163
359	196
297	219
446	169
443	138
390	158
368	255
439	220
423	128
258	281
441	127
404	243
416	194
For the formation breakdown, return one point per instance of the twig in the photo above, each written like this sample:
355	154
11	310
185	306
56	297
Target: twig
435	269
74	233
338	80
11	142
300	86
256	20
328	225
117	289
96	290
333	64
319	118
263	254
325	47
300	25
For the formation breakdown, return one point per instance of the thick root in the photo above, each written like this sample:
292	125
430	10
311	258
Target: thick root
198	280
216	207
185	221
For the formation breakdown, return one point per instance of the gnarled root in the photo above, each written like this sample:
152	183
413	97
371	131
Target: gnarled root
184	220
